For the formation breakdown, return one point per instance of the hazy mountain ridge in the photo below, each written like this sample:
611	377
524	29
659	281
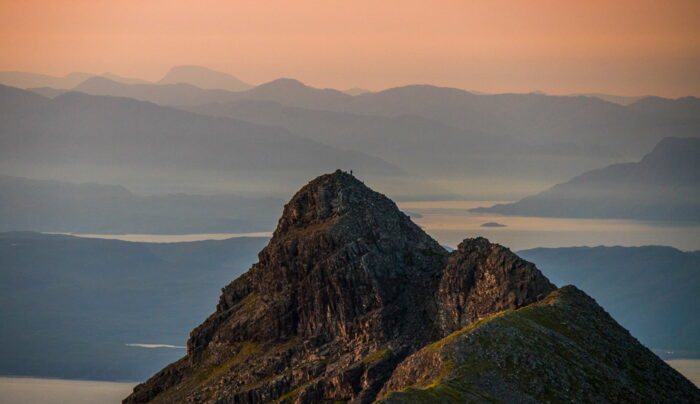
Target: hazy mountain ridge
53	206
450	135
420	145
535	117
198	76
651	290
70	305
203	77
582	122
172	93
664	185
616	99
120	140
31	80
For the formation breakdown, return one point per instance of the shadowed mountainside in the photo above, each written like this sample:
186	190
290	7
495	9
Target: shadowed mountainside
664	185
120	140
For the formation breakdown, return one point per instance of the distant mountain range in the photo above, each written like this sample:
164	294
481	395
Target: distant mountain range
178	93
664	185
32	80
454	142
203	77
199	76
83	138
566	123
617	99
421	146
522	136
652	291
579	125
356	91
70	305
208	79
53	206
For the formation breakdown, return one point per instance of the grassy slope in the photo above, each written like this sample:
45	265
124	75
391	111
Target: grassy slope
561	348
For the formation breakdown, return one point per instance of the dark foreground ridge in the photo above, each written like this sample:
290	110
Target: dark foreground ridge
352	302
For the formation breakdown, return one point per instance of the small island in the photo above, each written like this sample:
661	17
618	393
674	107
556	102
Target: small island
493	224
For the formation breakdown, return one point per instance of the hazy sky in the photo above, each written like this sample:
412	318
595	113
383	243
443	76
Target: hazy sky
628	47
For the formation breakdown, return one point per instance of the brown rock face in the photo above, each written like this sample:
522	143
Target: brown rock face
481	279
346	289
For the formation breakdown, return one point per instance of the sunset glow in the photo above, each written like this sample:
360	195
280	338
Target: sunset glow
622	47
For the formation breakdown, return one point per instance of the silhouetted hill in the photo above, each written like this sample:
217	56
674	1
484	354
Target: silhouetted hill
520	141
31	80
576	121
491	146
120	140
412	142
652	291
53	206
684	109
664	185
163	94
558	125
617	99
70	305
203	77
427	148
356	91
122	79
48	92
295	93
42	81
284	91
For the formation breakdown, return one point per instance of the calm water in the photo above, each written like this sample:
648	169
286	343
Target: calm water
171	238
689	368
448	222
451	222
52	391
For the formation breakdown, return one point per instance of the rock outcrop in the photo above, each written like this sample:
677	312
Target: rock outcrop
344	302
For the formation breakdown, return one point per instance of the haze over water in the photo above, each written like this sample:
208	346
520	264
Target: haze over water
21	390
450	222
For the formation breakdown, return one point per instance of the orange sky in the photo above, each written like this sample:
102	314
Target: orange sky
619	46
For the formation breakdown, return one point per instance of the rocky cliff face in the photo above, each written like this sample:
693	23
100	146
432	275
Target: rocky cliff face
341	307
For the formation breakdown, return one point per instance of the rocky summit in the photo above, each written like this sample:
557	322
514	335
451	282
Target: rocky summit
352	302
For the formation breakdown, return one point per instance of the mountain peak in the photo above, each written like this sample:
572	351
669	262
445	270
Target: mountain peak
204	78
96	80
331	197
674	148
283	85
347	289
